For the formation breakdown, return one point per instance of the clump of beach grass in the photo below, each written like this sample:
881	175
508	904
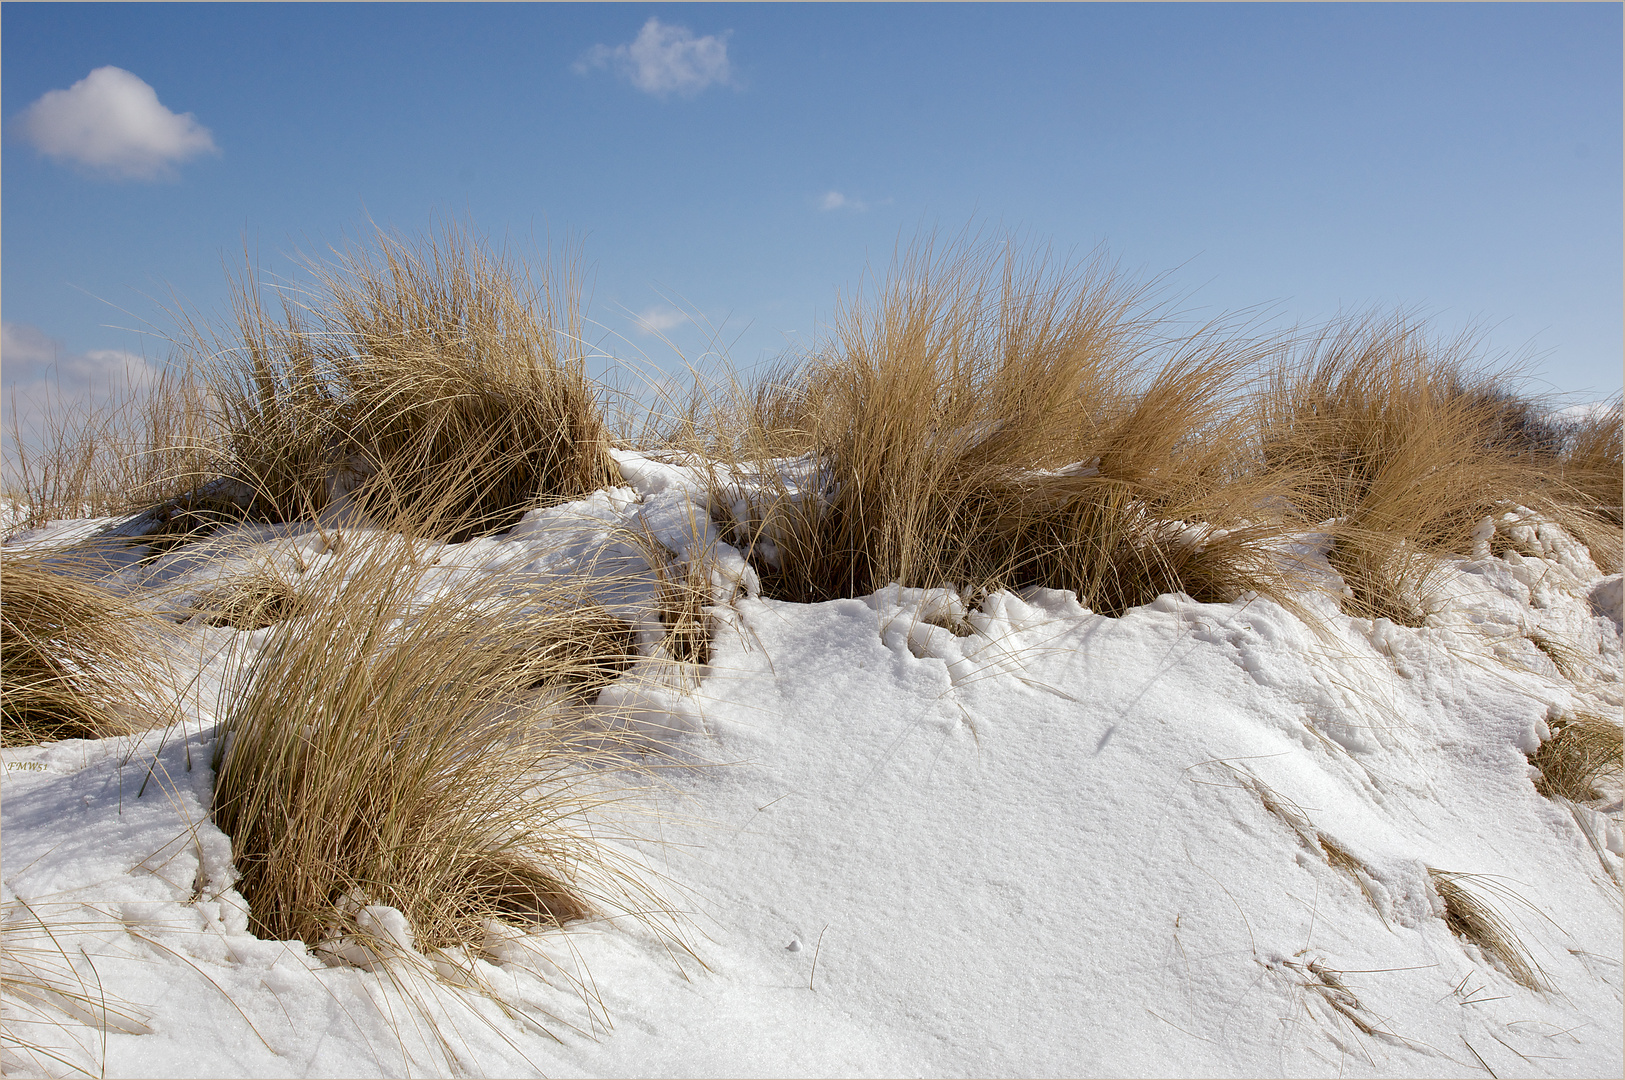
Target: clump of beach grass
987	418
1393	436
683	598
78	661
1583	749
1591	485
577	649
388	750
393	361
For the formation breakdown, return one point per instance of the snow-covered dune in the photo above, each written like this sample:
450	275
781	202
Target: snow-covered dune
1198	839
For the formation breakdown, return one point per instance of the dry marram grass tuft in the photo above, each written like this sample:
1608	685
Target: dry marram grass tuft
1589	495
78	662
387	751
1388	432
1581	751
141	442
397	361
992	420
252	602
1474	919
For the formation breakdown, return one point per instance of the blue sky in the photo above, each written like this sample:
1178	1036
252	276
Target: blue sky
749	162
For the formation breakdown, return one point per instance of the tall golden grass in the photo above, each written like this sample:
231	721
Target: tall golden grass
393	361
989	418
1592	463
76	661
263	597
1472	917
1591	485
1394	436
1582	750
383	749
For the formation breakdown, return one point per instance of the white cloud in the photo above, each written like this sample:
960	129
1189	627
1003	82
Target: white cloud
112	122
834	200
23	344
31	359
658	320
664	59
43	384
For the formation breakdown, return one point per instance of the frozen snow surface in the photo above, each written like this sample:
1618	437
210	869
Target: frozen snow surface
1196	840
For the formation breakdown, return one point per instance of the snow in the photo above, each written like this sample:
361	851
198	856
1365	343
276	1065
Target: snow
1059	843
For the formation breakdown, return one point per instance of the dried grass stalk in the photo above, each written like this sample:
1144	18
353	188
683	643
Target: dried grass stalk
682	604
140	442
57	1015
399	359
1472	918
253	602
1588	496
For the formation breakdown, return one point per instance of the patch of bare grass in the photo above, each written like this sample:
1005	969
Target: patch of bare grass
578	649
78	662
1591	474
1473	918
111	450
683	597
253	602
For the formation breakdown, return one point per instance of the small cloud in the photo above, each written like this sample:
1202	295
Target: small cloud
27	345
664	59
42	381
834	200
30	358
657	320
113	123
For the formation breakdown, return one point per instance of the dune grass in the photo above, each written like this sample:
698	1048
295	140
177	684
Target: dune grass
78	662
57	1014
389	363
1395	437
253	601
1591	485
1591	461
987	418
383	749
1582	750
395	359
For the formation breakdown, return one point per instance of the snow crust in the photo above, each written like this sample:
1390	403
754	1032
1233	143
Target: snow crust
909	838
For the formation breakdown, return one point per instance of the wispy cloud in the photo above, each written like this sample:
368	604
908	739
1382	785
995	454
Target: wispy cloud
664	59
657	320
834	200
112	123
31	358
41	380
